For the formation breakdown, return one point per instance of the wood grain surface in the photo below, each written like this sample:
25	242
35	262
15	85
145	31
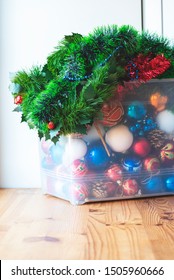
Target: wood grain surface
37	226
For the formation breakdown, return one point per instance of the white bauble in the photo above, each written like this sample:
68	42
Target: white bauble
74	149
165	121
92	134
119	138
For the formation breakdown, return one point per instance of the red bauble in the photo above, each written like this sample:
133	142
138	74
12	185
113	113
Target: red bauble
78	168
151	164
141	147
130	187
18	99
115	173
167	154
79	192
51	125
112	112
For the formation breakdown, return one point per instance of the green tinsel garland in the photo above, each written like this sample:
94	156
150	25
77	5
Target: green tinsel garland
80	75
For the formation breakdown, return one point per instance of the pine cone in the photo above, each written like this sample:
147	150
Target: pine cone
157	138
103	189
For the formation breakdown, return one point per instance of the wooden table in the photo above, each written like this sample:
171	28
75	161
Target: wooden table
37	226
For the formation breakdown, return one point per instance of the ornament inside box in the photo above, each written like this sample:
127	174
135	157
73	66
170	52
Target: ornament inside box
129	153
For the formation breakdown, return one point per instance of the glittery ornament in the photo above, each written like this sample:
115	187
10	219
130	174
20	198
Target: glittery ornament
18	99
151	164
119	138
157	138
141	147
102	189
169	183
115	173
136	110
167	154
130	187
158	101
132	163
78	168
96	157
78	192
153	185
112	112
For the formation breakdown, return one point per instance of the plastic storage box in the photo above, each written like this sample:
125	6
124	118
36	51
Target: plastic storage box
129	153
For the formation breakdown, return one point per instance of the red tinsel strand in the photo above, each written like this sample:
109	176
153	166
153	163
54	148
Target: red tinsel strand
142	69
146	68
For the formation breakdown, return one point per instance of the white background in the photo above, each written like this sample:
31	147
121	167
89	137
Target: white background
30	29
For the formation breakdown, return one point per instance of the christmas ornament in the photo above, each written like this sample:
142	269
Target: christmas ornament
92	134
46	145
78	168
157	138
119	138
115	173
96	157
74	149
18	99
132	163
158	101
151	164
56	153
61	171
51	125
141	147
139	128
136	110
153	185
167	154
130	187
103	189
165	121
112	112
47	162
78	192
169	183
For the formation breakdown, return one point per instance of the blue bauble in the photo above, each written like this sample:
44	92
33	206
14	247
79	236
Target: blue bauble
132	163
153	185
169	183
96	157
56	152
136	110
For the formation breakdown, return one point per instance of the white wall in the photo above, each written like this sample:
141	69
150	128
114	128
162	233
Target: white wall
29	31
152	14
158	17
168	19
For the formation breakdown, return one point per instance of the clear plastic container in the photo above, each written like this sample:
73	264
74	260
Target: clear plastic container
127	154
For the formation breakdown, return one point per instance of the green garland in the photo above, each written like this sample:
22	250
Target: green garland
79	76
